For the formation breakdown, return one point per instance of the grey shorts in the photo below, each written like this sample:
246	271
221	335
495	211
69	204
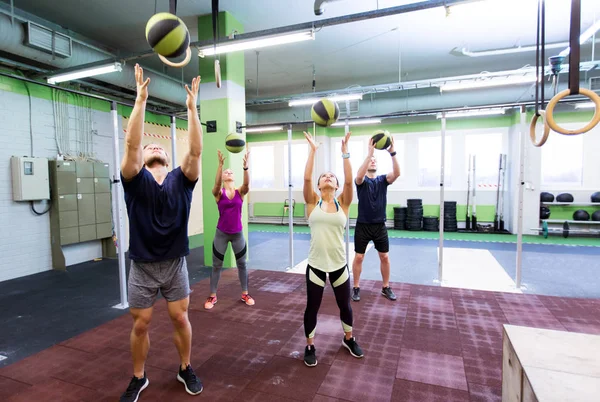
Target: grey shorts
147	278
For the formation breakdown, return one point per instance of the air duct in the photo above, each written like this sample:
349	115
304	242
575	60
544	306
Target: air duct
13	39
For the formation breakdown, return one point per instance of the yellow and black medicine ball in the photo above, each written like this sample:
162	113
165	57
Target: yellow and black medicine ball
235	143
382	139
325	112
167	35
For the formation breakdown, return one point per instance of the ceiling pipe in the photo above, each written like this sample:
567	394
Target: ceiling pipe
320	6
12	39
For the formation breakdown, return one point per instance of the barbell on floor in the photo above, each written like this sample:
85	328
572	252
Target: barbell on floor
566	230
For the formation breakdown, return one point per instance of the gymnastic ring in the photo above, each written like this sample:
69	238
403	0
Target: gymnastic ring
188	57
532	129
218	73
550	110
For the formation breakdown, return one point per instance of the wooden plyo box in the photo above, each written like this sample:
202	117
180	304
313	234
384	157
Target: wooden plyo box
548	365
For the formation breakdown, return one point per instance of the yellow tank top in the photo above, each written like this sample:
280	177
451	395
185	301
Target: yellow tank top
327	247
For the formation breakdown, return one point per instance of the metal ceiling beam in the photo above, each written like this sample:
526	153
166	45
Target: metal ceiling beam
346	19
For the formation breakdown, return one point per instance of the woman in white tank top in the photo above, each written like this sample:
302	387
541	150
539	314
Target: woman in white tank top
327	217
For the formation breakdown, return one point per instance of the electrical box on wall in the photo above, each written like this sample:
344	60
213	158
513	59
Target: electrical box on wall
30	178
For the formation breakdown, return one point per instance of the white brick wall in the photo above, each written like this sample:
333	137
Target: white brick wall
25	237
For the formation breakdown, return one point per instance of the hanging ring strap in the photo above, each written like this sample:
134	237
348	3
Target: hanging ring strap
215	24
574	79
173	7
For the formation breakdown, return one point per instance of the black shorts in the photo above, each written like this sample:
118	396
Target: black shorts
366	232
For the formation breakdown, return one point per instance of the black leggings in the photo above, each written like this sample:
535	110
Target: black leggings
315	284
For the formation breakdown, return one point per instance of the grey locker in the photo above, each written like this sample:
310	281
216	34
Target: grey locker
101	185
103	208
66	182
87	233
85	185
84	169
69	236
68	219
103	230
101	170
87	209
67	203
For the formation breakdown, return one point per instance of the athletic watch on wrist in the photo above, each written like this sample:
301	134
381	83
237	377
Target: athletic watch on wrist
393	153
245	168
346	155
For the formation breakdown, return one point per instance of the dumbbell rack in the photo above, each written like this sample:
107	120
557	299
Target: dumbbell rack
566	229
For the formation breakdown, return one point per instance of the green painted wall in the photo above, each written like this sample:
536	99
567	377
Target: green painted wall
566	212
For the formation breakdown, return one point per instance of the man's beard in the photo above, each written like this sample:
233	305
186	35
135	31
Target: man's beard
371	170
156	159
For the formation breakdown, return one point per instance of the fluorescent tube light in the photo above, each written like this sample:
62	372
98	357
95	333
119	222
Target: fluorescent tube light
257	43
474	112
510	50
591	31
585	105
263	129
86	72
359	122
488	83
335	98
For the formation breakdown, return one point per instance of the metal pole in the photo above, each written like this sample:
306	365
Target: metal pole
522	136
173	142
290	203
117	195
441	245
346	129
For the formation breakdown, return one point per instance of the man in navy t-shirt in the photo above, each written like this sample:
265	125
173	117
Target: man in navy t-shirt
370	223
158	206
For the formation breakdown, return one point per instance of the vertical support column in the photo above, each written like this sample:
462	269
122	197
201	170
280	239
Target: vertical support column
346	129
522	136
173	143
290	204
117	195
225	106
441	244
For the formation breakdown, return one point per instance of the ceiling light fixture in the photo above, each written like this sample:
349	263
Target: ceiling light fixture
474	112
86	72
358	122
487	83
585	105
591	31
263	129
334	98
256	43
510	50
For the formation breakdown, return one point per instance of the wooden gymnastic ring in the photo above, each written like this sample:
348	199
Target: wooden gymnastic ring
550	110
532	129
218	73
188	57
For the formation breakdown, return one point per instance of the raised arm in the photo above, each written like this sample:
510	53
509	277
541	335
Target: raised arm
245	188
219	178
395	173
133	160
191	161
310	197
347	191
362	170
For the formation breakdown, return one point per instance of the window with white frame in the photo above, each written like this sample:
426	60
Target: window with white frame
299	157
356	148
384	160
562	160
430	149
262	166
487	149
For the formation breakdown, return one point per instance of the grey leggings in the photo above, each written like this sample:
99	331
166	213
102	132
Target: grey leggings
238	243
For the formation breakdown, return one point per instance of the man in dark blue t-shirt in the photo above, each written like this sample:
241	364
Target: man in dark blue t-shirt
158	206
370	223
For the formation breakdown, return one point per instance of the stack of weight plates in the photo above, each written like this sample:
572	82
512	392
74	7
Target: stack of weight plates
450	224
400	218
431	223
414	214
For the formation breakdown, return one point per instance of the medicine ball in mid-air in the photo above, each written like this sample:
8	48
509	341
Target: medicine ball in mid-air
235	143
325	112
382	139
167	35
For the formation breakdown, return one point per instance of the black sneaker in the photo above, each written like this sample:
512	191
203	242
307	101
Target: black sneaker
136	386
387	292
353	347
310	357
356	294
193	385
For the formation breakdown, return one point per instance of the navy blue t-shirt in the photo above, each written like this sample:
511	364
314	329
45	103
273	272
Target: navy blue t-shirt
372	199
158	215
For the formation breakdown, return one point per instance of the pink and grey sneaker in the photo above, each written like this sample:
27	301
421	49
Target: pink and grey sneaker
210	302
246	298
